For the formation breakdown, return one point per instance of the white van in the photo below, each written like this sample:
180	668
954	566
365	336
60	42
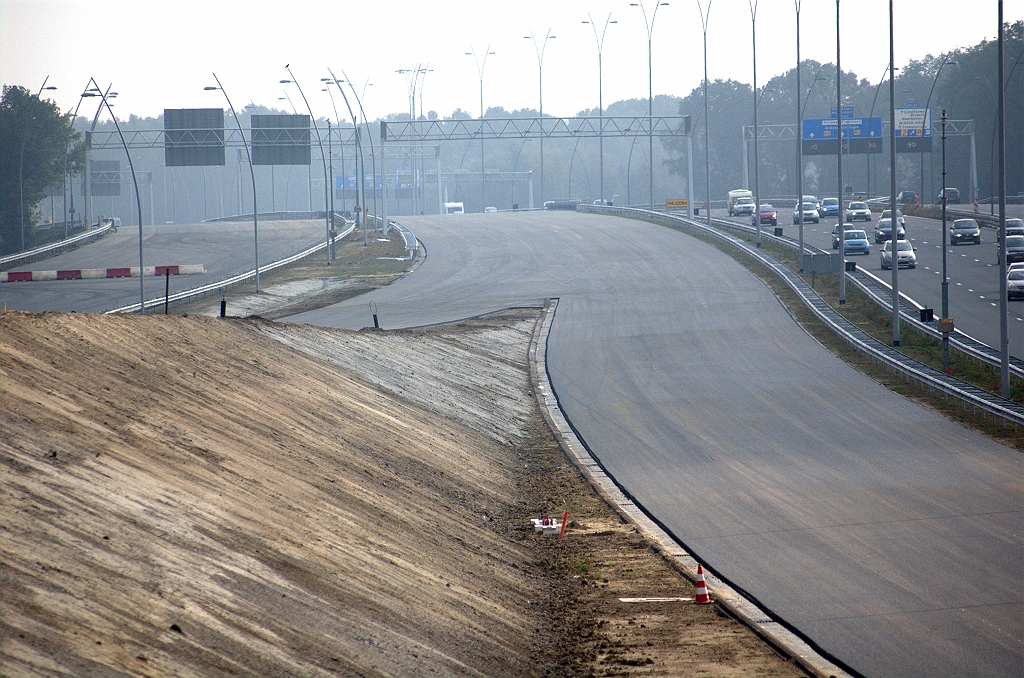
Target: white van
736	194
454	208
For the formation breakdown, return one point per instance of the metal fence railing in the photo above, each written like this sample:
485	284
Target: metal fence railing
19	258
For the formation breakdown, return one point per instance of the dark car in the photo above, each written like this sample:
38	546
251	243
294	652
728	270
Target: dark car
907	198
768	216
835	234
952	196
883	231
1014	248
1014	227
964	231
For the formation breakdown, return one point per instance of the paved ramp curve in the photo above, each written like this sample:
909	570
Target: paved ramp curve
887	535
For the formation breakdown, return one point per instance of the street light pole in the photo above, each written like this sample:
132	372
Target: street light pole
935	81
870	116
799	146
323	158
839	133
360	160
369	135
752	4
252	174
705	14
138	201
600	90
21	166
1004	340
945	278
650	89
540	87
480	66
892	184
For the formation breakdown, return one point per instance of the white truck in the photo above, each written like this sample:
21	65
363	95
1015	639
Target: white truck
454	208
745	200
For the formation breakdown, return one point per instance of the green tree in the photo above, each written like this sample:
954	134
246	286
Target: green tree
35	138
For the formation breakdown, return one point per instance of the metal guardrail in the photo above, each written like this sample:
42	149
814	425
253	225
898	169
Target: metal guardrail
19	257
926	377
880	292
233	280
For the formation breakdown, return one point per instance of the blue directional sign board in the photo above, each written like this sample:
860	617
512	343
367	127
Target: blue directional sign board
860	135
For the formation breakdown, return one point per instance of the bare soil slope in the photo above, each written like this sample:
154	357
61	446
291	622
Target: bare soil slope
183	497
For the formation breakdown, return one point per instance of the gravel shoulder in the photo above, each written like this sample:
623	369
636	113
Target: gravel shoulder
196	496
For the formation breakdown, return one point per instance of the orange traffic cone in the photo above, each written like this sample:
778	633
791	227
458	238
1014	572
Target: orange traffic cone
702	587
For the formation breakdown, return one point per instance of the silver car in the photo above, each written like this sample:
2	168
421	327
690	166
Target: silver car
858	210
905	257
1015	285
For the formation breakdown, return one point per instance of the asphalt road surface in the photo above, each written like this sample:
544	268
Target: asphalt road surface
889	536
225	248
973	272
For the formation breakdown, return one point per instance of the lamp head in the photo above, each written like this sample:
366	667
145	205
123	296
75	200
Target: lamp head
210	89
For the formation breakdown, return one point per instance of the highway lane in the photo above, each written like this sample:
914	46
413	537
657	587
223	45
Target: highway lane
888	535
973	275
225	248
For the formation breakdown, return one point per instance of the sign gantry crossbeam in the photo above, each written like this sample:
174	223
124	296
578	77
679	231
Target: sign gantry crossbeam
534	128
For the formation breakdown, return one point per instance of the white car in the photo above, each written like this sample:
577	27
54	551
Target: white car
905	258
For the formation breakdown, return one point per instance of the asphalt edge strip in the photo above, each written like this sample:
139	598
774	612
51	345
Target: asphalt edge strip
725	595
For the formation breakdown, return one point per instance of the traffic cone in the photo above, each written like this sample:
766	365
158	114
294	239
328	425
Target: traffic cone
702	587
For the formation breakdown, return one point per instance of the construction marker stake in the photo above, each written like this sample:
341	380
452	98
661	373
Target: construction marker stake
565	519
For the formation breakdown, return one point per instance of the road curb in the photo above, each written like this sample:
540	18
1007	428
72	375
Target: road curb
728	598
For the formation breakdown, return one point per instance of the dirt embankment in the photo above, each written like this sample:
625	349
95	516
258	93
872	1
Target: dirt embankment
195	496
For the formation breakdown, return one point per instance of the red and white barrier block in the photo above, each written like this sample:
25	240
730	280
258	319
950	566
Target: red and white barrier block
93	273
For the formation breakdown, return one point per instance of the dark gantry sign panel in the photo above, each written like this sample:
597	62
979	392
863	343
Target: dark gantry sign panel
280	139
105	177
193	137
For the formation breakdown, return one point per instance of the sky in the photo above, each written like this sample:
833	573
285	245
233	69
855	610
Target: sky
160	53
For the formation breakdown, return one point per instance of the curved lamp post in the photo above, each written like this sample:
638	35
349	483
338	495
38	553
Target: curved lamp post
649	24
105	96
360	160
871	115
67	151
480	66
945	61
752	4
839	171
21	167
252	174
323	157
705	14
600	89
369	135
540	87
